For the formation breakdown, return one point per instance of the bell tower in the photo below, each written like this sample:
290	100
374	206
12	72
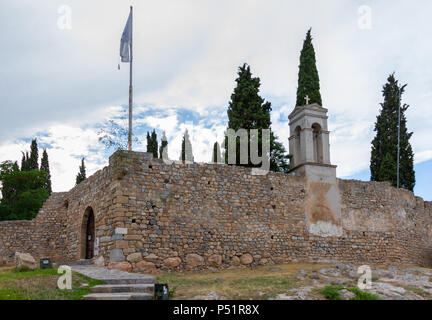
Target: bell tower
310	147
309	140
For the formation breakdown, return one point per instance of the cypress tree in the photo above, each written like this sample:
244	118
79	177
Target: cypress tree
154	144
186	150
45	167
383	164
23	162
278	157
164	147
34	156
149	143
81	176
308	79
248	110
216	156
27	161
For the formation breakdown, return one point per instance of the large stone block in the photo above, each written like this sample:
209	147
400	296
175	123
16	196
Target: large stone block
134	257
151	257
25	260
172	262
215	260
116	255
122	266
235	261
194	260
145	266
246	259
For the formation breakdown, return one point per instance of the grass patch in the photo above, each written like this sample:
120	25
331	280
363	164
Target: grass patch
41	284
363	295
418	291
331	292
261	282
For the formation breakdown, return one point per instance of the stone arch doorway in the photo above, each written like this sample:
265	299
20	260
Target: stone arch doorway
87	234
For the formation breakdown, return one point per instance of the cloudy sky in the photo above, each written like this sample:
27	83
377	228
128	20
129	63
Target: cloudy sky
60	81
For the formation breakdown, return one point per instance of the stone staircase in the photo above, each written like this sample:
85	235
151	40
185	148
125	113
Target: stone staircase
127	291
119	285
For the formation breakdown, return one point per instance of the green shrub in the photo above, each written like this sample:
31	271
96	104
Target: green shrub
331	292
22	269
171	293
363	295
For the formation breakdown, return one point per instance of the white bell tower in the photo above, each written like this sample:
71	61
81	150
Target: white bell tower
310	147
309	141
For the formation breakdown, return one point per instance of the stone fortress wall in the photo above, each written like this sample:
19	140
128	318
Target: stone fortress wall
150	215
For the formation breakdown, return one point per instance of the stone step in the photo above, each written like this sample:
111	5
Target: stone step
82	262
122	288
119	296
142	280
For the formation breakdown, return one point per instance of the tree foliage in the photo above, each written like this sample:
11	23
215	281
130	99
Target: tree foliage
383	164
81	176
308	78
216	155
23	192
248	110
34	156
25	161
114	133
45	167
152	143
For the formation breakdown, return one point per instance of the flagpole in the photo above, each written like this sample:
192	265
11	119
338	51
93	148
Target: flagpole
398	146
130	87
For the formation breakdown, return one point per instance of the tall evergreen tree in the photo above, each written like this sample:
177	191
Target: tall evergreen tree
248	110
154	143
278	157
24	162
81	176
164	147
149	143
45	167
186	150
308	79
27	161
216	156
34	156
383	164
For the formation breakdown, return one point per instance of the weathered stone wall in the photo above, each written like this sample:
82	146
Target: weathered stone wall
190	216
199	215
44	236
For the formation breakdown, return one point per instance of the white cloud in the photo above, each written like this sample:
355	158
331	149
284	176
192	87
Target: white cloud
187	53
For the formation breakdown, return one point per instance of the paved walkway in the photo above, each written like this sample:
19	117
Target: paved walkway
112	276
120	285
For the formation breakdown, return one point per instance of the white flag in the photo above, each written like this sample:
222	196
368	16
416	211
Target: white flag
126	40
